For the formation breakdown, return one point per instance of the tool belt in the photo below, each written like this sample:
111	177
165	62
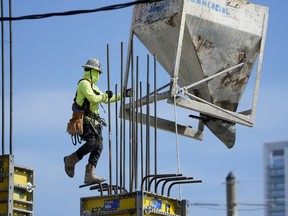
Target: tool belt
96	117
75	125
88	113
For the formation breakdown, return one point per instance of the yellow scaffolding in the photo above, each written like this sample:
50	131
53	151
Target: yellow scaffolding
16	188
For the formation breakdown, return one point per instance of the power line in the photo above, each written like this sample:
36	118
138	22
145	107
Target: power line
210	207
253	204
218	206
76	12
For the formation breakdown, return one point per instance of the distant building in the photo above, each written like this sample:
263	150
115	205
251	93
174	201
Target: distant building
275	173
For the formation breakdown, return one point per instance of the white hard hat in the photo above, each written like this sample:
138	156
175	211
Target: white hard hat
94	64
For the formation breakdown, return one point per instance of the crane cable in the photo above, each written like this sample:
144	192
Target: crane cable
177	144
76	12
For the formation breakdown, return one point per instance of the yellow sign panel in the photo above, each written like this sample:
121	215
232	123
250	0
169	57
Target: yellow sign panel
136	203
16	198
21	176
4	183
114	203
23	197
160	204
4	173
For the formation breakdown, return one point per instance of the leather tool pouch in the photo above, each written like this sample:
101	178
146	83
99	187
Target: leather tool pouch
75	125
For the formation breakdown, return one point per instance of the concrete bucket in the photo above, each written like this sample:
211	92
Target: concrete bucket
196	39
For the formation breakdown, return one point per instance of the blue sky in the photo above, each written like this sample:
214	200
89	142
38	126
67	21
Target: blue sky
48	55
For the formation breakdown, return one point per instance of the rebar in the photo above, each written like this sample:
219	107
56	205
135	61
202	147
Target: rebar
130	147
182	182
116	132
11	80
124	141
3	77
141	135
136	123
155	119
122	119
132	123
109	119
148	122
174	179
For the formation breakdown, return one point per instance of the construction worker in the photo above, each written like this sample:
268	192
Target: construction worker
88	98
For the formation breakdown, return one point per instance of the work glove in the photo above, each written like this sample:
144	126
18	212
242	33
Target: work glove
109	94
127	93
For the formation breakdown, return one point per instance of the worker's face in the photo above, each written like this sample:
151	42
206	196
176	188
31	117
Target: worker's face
95	75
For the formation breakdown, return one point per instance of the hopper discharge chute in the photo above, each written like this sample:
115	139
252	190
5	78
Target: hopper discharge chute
209	49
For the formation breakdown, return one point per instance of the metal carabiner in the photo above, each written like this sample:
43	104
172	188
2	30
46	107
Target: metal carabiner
79	139
74	140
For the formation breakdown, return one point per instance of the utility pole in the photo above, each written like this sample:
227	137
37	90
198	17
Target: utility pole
231	195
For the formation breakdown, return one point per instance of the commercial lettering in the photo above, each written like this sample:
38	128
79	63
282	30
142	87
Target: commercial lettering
128	196
213	6
97	209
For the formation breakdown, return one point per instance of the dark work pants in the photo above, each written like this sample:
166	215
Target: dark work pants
93	145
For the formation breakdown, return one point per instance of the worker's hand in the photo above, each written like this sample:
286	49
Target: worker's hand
127	93
109	94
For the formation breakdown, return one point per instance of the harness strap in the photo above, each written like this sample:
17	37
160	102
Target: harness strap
86	104
88	113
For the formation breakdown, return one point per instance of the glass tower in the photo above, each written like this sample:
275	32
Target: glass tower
276	175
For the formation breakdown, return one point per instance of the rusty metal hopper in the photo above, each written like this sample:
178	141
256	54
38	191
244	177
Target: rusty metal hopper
196	39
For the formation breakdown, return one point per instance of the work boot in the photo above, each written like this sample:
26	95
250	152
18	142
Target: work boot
70	162
89	175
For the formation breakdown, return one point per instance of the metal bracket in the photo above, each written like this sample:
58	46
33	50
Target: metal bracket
169	126
212	110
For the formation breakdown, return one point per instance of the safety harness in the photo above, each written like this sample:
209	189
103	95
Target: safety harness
87	113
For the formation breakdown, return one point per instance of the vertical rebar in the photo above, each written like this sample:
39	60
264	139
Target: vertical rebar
129	51
130	147
155	119
11	78
116	132
122	120
136	123
141	134
133	125
124	142
109	121
148	123
3	78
